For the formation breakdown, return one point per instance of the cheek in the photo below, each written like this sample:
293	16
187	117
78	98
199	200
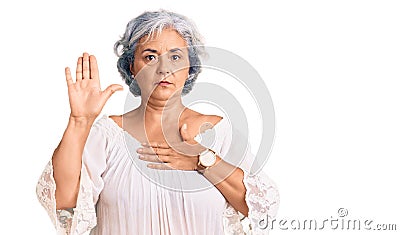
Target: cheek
182	77
181	70
145	76
142	70
137	66
182	74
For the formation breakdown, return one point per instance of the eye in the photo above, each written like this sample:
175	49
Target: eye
150	58
175	57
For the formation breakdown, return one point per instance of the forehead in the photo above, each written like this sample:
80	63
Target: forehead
164	41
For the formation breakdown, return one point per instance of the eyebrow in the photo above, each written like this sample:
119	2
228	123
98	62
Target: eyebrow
151	50
155	51
175	49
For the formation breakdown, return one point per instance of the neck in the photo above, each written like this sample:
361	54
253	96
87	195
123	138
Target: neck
153	109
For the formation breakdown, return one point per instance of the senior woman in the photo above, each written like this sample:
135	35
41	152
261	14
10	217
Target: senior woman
169	183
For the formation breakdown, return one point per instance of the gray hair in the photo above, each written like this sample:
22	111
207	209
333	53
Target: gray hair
147	24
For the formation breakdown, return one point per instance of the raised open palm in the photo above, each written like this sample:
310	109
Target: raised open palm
86	98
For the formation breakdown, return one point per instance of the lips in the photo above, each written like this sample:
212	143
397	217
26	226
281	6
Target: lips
163	83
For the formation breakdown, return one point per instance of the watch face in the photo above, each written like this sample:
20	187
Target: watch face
207	159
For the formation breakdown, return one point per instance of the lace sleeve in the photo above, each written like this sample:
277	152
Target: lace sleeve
262	198
77	220
82	218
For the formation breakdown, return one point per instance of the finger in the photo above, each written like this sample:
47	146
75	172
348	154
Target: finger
156	145
184	132
153	158
68	76
79	69
146	151
190	150
94	70
154	150
111	89
182	149
162	166
85	66
186	137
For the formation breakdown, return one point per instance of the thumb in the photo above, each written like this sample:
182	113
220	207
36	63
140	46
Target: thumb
111	89
184	132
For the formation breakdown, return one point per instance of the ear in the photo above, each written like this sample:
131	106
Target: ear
131	69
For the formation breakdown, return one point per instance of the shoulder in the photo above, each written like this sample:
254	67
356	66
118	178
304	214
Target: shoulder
106	126
117	119
198	122
194	117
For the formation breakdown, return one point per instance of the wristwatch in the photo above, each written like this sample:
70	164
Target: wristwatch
207	159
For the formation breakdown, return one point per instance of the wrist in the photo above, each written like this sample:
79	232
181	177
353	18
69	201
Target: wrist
81	122
206	160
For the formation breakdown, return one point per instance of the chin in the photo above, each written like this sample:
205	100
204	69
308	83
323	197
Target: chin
164	94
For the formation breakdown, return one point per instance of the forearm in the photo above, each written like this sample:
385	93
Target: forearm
67	162
229	181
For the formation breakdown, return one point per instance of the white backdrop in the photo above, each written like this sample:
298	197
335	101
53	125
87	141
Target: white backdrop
332	68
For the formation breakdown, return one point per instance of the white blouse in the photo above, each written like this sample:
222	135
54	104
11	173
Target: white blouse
121	195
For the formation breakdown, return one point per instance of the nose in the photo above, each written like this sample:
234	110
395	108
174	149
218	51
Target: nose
163	66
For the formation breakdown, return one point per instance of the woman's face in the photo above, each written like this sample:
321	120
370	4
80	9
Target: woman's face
161	65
